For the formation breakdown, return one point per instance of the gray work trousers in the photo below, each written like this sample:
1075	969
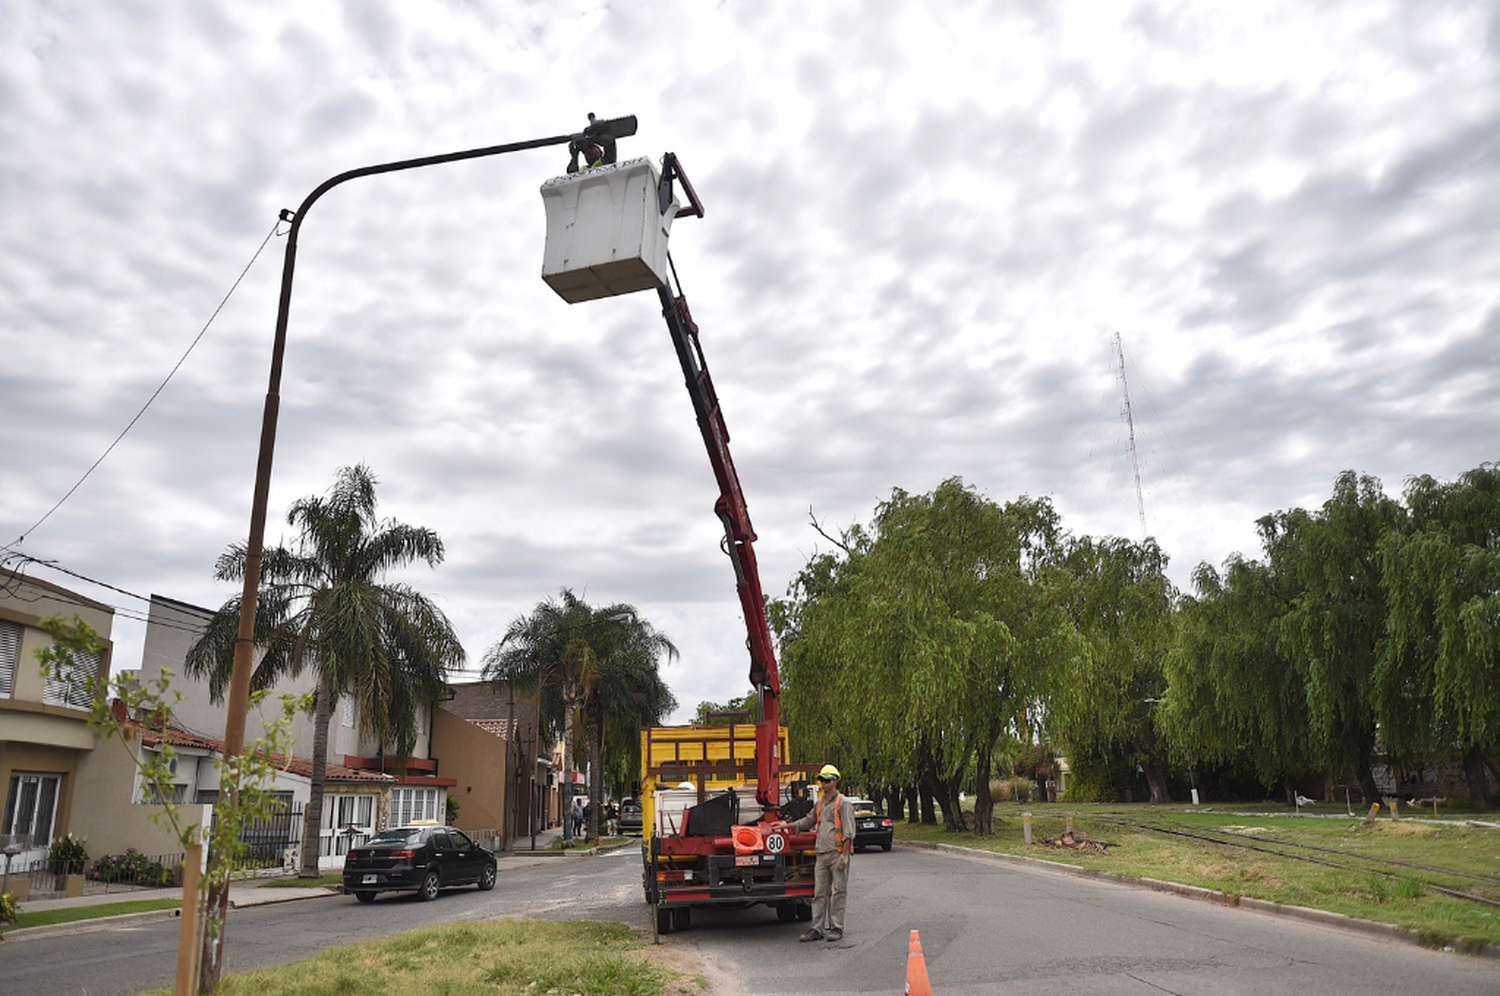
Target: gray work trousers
830	892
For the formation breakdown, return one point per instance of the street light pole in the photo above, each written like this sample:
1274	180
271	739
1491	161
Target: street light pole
239	683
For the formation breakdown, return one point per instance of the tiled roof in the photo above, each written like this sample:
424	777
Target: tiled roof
296	765
496	727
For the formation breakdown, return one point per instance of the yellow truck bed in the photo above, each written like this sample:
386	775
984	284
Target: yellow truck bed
698	761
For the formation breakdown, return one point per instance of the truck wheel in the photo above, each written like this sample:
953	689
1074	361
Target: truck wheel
786	912
804	911
682	918
664	920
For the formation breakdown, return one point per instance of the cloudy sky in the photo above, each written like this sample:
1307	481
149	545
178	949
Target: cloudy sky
924	225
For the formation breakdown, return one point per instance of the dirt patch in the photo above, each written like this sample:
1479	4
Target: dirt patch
1068	842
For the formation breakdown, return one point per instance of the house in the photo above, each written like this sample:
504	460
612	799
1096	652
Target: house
472	731
416	789
45	742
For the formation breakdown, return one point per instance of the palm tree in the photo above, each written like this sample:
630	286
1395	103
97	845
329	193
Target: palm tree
325	605
597	664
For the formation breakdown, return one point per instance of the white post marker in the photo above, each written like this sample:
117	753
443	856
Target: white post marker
1026	826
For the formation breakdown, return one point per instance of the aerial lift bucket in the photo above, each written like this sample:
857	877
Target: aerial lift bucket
606	231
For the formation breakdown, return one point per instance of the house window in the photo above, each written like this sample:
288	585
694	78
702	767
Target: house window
150	796
10	656
30	806
71	687
409	804
348	712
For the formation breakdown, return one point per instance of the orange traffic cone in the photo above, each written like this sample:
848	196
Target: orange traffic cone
916	969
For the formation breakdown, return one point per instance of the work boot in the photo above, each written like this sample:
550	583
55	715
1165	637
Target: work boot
812	934
834	935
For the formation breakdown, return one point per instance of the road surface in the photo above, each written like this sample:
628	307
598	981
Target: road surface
986	928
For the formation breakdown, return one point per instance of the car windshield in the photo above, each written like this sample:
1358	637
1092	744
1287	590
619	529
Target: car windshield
864	807
404	835
630	807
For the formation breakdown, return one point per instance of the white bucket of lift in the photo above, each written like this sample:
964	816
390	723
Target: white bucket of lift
605	235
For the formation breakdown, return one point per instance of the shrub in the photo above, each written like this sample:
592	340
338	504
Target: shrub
133	868
1013	790
67	856
10	911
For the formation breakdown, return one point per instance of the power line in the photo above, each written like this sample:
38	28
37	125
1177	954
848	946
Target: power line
11	588
162	386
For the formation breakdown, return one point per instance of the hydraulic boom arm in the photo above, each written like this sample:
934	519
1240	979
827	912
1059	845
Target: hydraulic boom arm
739	540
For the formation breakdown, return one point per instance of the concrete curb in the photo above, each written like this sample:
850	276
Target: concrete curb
271	900
1327	918
89	925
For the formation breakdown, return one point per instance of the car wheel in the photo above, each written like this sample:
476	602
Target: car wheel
487	878
430	887
365	897
885	847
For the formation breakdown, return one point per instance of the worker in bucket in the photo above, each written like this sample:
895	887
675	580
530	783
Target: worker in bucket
833	817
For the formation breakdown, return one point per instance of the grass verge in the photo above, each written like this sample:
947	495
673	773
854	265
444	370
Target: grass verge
1406	901
493	957
333	881
70	914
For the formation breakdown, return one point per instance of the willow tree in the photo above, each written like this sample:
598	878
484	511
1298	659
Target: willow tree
1106	705
1232	695
925	641
1336	619
1437	680
325	605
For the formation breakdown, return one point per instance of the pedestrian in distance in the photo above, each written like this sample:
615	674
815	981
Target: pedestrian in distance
832	813
576	815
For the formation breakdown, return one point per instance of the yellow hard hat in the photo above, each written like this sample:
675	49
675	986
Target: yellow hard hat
829	772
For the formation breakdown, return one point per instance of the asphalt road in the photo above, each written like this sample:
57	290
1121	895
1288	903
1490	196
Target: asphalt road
985	927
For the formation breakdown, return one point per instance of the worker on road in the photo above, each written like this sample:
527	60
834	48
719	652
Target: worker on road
833	816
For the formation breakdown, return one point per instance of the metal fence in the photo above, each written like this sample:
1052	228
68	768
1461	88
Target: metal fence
130	871
269	841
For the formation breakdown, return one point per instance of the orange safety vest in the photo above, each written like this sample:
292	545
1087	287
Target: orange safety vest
838	820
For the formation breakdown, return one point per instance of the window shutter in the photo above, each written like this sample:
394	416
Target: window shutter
10	656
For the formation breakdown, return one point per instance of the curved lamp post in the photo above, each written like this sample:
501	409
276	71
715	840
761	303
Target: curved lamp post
239	685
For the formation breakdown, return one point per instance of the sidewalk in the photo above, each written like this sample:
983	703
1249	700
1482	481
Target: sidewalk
241	894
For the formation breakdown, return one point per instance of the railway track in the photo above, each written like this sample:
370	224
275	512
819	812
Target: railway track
1279	848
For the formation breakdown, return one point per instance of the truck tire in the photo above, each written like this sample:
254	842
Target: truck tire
786	912
664	920
804	911
682	918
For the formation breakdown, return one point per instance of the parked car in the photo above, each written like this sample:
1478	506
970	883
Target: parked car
420	859
632	823
872	827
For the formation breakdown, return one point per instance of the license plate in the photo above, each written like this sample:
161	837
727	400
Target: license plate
368	880
867	826
747	859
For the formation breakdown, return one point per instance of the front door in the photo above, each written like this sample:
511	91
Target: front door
30	809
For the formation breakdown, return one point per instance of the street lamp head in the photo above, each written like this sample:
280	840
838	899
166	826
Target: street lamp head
613	127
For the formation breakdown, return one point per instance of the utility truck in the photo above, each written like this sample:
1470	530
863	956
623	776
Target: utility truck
710	794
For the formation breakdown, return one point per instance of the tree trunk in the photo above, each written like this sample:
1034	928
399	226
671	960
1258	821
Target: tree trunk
912	802
1478	779
596	774
567	789
312	823
984	806
1367	785
1156	777
929	811
953	813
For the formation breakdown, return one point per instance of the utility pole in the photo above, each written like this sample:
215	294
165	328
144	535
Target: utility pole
1129	418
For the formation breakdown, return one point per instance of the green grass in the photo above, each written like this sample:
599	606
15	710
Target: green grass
333	881
493	957
579	844
1361	893
69	914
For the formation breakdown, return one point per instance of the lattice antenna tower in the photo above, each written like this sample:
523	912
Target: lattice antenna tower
1129	417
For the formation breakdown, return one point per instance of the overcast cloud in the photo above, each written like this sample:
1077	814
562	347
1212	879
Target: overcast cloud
924	224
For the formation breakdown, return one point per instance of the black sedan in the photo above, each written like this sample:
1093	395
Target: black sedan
420	859
872	828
